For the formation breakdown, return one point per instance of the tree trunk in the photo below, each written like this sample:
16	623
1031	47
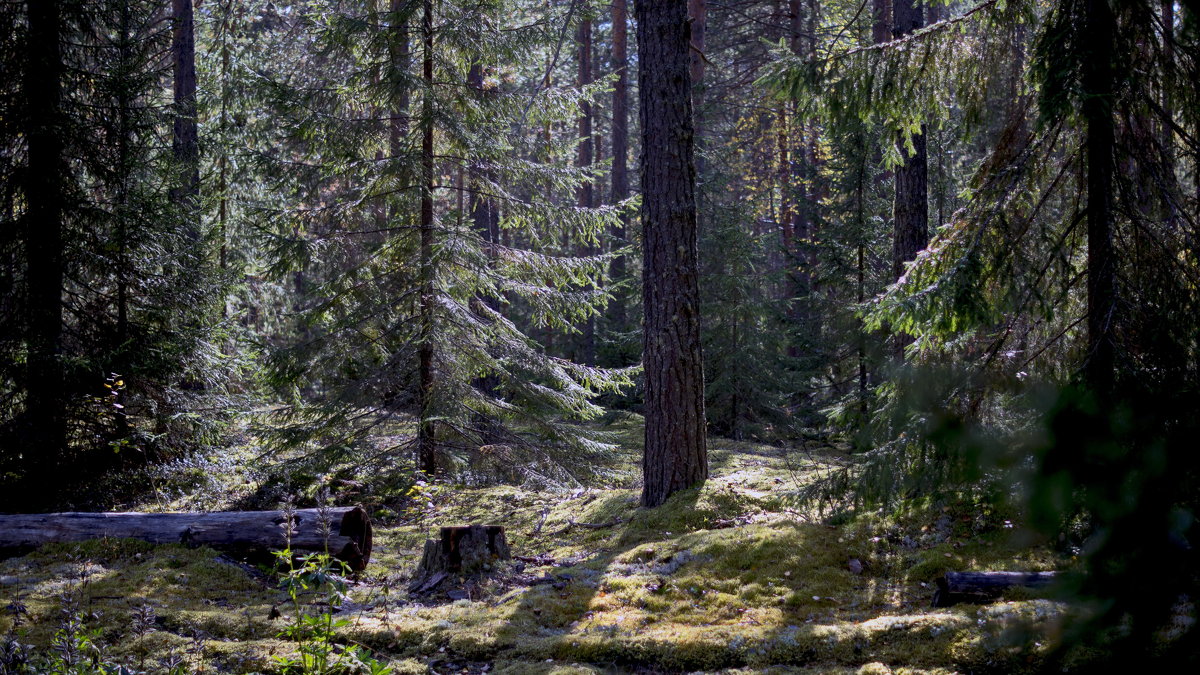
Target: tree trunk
883	19
485	217
223	161
1166	133
45	388
401	57
801	176
911	207
485	220
676	455
787	220
698	18
958	587
347	532
620	153
185	139
463	551
1099	34
426	440
585	196
125	140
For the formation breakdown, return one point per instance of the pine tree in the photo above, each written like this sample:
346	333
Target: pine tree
676	452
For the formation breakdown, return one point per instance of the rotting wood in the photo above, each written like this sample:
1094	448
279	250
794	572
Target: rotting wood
349	530
462	550
591	526
958	587
541	522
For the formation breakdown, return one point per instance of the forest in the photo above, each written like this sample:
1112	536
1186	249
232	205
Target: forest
583	336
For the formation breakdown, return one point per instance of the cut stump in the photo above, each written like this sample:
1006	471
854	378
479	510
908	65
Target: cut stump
958	587
465	551
349	530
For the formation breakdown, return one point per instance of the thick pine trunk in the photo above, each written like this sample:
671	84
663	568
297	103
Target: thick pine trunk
45	389
426	440
346	532
185	139
1099	33
620	153
911	207
676	455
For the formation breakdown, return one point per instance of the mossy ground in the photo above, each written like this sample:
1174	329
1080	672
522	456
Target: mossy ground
730	577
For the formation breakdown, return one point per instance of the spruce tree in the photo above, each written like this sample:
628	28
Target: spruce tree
424	315
111	296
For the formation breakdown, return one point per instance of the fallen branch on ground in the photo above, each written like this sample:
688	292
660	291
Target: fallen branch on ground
591	526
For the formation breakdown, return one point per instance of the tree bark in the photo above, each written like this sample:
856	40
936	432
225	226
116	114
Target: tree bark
426	431
584	157
1099	33
910	209
676	455
45	388
185	139
346	534
469	550
883	19
401	57
485	220
620	153
802	176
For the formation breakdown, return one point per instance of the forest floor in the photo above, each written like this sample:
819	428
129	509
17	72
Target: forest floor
732	577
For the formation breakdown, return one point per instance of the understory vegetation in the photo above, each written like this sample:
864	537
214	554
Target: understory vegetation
737	574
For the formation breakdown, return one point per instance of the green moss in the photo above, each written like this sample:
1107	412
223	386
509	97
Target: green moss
720	579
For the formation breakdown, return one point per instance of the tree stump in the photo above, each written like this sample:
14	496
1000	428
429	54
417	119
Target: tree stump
465	551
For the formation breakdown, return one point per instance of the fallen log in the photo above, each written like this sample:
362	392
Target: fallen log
571	523
958	587
349	530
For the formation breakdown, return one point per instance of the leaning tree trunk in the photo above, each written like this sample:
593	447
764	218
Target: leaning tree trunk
676	456
344	532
